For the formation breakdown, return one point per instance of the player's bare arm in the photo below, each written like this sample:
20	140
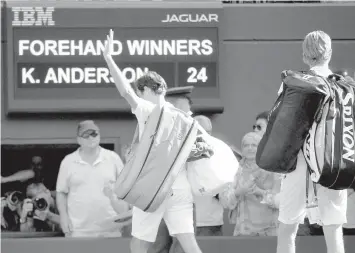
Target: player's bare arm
122	85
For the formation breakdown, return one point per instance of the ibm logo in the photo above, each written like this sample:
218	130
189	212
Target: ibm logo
33	16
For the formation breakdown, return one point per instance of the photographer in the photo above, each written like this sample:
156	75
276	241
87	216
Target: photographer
14	212
41	214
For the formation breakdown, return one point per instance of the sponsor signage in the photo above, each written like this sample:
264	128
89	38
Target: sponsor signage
54	60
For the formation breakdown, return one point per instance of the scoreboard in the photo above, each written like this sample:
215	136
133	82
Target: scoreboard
54	62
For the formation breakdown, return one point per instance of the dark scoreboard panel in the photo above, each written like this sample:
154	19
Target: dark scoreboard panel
55	62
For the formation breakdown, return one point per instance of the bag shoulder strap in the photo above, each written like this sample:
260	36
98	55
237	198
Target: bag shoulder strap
136	133
135	139
318	115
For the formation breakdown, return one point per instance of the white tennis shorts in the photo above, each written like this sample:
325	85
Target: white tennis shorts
176	210
332	203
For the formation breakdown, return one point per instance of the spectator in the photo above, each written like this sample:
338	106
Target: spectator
45	214
252	198
83	174
261	123
31	175
12	214
209	211
180	97
236	152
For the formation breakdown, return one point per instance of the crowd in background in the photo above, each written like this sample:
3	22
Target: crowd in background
251	201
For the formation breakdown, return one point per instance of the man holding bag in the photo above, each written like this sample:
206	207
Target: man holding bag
177	209
164	243
330	207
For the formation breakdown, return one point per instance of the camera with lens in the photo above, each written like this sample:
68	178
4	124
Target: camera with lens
40	204
14	197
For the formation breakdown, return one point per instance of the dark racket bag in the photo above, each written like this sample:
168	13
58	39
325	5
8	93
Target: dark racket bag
290	120
330	146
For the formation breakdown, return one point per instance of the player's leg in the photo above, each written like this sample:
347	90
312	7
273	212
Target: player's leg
179	220
292	208
163	241
188	243
176	246
332	208
286	238
333	235
145	228
139	246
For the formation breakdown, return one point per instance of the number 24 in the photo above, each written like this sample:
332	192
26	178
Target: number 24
195	77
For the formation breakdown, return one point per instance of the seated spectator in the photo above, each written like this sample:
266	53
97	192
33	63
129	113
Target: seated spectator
261	123
252	198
